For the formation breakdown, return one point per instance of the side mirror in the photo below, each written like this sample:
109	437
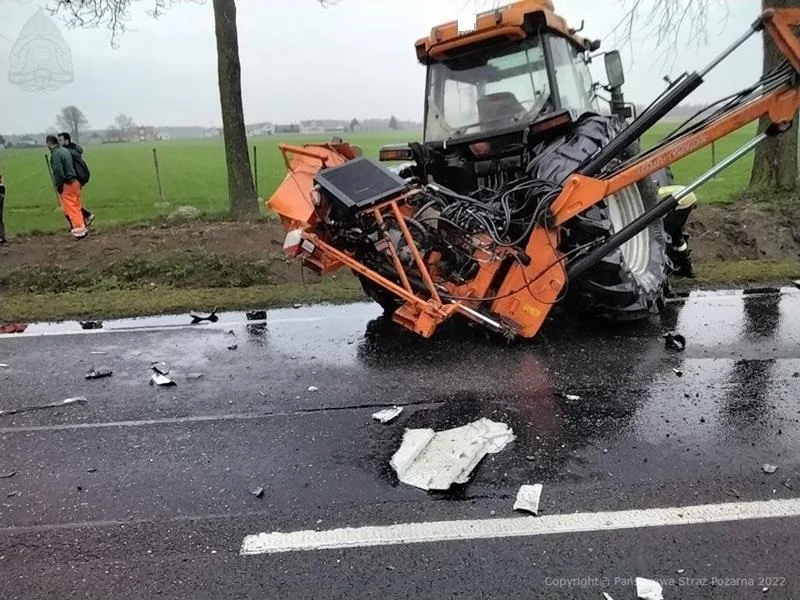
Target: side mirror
614	70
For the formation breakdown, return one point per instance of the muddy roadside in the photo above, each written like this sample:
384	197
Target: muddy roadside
238	265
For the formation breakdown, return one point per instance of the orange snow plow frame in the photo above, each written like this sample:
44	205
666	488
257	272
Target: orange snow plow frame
523	301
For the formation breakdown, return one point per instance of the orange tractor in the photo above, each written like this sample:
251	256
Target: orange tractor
522	195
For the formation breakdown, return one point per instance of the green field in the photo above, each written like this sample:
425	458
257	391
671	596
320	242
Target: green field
123	188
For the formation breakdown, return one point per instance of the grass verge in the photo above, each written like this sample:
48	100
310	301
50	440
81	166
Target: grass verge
152	300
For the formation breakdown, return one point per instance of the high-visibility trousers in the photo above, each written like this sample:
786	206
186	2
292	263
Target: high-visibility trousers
70	197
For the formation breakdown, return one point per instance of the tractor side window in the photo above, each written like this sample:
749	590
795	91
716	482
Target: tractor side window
573	77
460	103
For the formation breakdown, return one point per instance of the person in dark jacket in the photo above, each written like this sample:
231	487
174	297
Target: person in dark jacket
65	140
66	183
2	202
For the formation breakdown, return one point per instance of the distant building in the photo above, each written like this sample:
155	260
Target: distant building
27	141
263	129
311	127
287	128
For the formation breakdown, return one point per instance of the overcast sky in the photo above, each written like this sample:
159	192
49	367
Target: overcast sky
302	61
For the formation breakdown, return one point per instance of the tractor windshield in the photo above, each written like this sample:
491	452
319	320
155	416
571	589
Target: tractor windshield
486	90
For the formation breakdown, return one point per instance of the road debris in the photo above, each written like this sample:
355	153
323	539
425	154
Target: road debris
528	498
435	461
233	347
91	324
256	315
7	475
572	397
92	470
733	492
678	372
296	306
787	484
194	375
647	589
674	341
4	366
258	492
67	402
607	596
98	373
160	367
12	494
161	380
98	353
387	414
313	388
200	317
768	468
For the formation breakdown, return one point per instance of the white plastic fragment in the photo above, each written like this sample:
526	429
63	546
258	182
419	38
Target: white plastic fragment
528	498
647	589
160	379
313	388
387	414
434	461
769	469
572	397
3	366
607	596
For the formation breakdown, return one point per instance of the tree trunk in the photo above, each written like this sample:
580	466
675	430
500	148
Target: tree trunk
243	201
775	164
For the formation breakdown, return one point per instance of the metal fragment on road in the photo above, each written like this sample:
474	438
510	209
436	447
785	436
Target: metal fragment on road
768	468
200	317
528	498
160	367
98	353
607	596
387	414
161	380
67	402
98	373
647	589
433	460
258	492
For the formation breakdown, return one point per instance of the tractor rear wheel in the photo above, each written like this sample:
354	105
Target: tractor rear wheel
629	283
386	299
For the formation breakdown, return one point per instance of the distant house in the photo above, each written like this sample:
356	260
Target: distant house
263	129
311	127
212	133
163	137
27	141
287	128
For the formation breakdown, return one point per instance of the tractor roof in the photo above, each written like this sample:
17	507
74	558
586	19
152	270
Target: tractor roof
510	22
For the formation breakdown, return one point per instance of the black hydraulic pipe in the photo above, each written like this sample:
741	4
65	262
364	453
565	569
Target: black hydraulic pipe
671	98
663	208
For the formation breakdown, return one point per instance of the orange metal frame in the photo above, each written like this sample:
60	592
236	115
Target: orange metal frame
521	304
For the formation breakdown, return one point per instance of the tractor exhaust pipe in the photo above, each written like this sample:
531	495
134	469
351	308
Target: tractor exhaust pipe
581	265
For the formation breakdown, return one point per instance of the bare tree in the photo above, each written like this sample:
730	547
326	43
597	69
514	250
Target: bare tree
123	122
776	160
113	14
72	120
393	124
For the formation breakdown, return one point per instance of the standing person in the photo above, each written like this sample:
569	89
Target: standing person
3	239
81	168
69	188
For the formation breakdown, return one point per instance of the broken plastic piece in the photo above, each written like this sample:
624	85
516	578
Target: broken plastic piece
434	461
98	373
91	324
387	414
257	492
313	388
7	475
200	317
3	366
528	498
98	353
160	367
161	380
256	315
572	397
678	372
233	347
68	401
607	596
674	341
769	469
194	375
647	589
297	306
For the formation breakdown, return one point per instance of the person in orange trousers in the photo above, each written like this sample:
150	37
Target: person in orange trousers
69	188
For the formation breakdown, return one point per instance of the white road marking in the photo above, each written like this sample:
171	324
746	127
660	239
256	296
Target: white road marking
447	531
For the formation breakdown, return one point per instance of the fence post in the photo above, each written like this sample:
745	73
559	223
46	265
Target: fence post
158	175
255	167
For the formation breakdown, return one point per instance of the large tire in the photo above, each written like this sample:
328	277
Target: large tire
629	283
387	300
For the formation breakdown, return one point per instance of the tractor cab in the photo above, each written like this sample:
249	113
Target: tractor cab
520	70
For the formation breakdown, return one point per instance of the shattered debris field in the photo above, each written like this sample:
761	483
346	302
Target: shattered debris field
275	462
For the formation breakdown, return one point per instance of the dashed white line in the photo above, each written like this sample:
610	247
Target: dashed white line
447	531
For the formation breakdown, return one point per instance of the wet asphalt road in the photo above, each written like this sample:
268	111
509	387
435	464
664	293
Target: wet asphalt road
143	491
